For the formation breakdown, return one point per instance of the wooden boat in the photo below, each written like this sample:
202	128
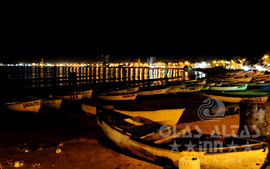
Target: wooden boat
237	98
243	79
185	90
176	84
54	103
88	109
260	81
154	91
211	83
205	87
142	137
228	88
128	90
27	106
87	94
110	97
237	84
70	97
163	117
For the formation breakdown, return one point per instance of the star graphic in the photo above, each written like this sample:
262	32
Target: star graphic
232	146
248	146
190	146
175	146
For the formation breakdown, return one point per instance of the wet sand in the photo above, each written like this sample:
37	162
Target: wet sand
81	141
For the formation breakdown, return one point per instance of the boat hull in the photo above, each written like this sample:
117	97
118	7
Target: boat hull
51	103
89	109
87	94
163	117
30	106
129	90
153	92
71	97
229	88
184	90
118	97
243	159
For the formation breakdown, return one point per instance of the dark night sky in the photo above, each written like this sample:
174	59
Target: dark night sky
80	35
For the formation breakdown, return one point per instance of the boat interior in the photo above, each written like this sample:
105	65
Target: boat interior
147	132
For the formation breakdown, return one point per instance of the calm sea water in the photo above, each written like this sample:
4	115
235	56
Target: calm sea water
33	77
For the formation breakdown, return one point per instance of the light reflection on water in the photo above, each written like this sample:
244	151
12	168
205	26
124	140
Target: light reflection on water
98	74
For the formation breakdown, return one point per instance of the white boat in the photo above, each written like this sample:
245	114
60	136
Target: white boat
27	106
70	97
237	84
211	83
123	91
142	137
245	79
205	87
153	91
87	94
107	96
228	88
163	117
237	98
88	109
51	103
185	90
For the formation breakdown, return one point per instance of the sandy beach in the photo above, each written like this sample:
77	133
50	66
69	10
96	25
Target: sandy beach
68	138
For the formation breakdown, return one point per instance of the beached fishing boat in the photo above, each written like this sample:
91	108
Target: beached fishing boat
70	97
237	84
243	79
27	106
54	103
210	83
163	117
205	87
237	98
88	109
151	141
86	94
186	89
228	88
111	97
152	91
128	90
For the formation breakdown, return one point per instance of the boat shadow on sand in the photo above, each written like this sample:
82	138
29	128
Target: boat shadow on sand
107	143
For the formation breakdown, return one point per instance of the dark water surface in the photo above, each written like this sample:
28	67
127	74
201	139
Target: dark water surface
30	80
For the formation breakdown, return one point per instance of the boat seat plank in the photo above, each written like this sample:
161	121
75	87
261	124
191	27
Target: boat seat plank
136	126
158	138
143	130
